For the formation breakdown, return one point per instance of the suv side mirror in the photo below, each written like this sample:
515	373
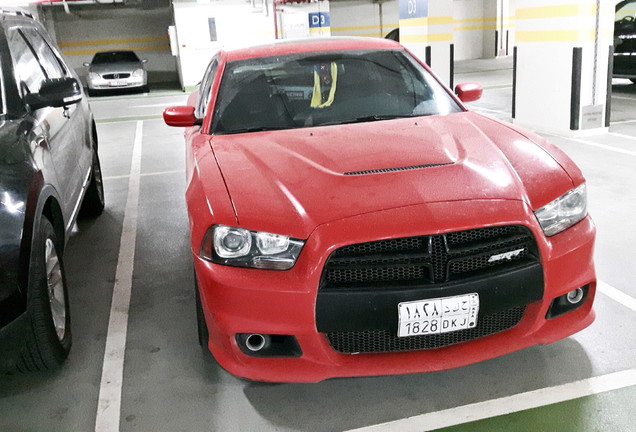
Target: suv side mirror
55	92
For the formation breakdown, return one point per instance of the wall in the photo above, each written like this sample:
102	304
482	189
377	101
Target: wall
469	25
91	28
237	24
294	20
363	18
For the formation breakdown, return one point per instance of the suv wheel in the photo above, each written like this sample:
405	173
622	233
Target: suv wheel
48	340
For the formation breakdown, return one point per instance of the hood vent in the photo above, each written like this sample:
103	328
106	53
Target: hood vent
386	170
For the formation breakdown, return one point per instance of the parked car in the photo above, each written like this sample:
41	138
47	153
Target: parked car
625	40
349	216
116	71
49	172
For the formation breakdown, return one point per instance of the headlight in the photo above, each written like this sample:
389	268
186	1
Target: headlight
93	76
244	248
563	212
138	73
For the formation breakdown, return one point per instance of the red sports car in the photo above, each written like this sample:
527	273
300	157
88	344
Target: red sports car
350	217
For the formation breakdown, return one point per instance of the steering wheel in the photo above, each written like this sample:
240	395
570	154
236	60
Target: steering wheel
627	19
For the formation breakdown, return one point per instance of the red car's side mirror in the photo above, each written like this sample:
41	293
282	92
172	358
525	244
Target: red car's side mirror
180	116
469	91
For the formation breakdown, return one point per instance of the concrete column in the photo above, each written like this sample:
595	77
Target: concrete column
426	29
498	34
561	72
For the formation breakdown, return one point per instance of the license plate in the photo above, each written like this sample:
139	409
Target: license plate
438	315
117	83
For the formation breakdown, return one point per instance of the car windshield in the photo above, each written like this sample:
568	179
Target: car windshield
115	57
314	89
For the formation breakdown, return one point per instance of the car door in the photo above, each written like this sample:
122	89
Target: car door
34	62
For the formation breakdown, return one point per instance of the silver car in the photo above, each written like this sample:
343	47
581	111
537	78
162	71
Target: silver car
116	70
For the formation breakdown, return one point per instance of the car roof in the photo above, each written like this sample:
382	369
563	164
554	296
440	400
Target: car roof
310	45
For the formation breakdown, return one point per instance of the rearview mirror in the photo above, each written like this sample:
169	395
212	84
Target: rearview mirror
55	92
469	91
180	116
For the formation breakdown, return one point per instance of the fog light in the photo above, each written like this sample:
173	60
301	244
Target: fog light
567	302
268	345
574	297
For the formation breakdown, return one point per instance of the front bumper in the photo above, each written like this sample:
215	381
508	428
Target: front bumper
249	301
116	84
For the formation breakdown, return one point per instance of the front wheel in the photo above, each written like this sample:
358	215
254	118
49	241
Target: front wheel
48	340
93	204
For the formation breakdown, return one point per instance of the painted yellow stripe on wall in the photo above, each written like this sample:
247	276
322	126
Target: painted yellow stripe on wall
365	27
319	30
113	41
425	38
414	22
482	27
558	11
555	36
134	48
440	20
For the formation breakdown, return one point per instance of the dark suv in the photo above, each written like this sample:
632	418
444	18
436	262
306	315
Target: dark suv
49	173
625	40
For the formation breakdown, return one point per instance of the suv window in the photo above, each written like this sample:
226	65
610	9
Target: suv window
29	73
51	63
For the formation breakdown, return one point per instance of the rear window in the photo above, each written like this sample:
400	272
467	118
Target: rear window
314	89
115	57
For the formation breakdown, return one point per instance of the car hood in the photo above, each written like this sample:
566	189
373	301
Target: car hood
129	67
291	181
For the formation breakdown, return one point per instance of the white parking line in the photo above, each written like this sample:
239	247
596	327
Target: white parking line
521	401
622	122
109	403
617	295
629	137
150	174
509	404
606	147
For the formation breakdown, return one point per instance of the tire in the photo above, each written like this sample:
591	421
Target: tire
93	204
48	340
202	327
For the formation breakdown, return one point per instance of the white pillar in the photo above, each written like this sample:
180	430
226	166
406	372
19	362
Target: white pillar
561	75
426	29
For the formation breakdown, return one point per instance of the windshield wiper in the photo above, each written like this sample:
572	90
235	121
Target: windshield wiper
369	118
255	129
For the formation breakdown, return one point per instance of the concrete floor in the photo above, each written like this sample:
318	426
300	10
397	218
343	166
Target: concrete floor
171	384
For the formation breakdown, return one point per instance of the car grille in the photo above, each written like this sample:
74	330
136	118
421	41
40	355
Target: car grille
116	76
431	259
382	341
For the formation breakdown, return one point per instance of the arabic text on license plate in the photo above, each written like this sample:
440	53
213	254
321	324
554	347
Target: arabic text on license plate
438	315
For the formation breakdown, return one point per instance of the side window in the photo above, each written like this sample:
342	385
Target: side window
206	88
29	73
50	62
